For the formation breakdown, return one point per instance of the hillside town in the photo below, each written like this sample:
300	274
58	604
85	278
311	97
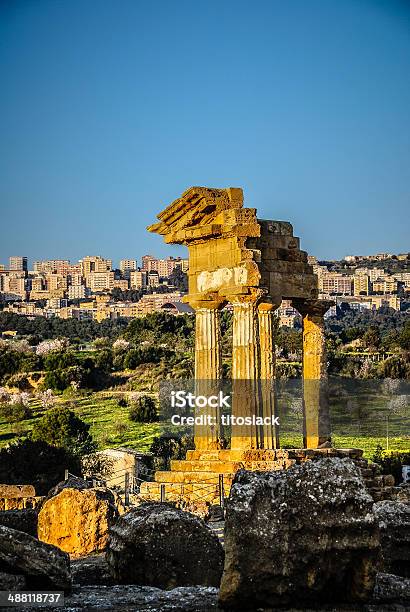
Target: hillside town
93	289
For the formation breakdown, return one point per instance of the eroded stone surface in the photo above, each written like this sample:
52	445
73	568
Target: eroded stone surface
132	598
22	520
391	588
304	535
394	522
12	582
43	566
159	545
78	520
91	570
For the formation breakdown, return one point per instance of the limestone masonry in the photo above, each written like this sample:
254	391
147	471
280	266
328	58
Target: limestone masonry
251	264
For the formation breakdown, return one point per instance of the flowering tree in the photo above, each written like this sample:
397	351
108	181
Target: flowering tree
121	345
50	346
14	407
46	398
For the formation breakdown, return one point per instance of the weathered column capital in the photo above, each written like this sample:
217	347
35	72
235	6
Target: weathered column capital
268	305
254	297
212	302
312	307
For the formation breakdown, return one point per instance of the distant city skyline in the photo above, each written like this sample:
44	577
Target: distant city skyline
108	115
182	253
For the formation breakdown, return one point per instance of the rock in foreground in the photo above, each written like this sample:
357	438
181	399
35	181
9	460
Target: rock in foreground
394	522
78	520
22	520
91	570
132	598
42	565
390	588
162	546
305	535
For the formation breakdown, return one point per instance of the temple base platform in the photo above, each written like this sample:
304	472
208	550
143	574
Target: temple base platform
207	475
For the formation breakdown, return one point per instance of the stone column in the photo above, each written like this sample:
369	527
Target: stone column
315	395
208	359
208	370
269	433
245	371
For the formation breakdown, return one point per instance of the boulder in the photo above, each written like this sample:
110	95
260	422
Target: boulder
42	565
304	535
132	598
73	482
22	520
91	570
78	520
403	493
394	522
160	545
391	588
12	582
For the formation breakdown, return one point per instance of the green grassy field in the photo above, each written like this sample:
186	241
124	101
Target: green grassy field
111	428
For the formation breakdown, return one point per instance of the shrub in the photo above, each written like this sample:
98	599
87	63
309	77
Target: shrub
14	412
104	360
149	354
122	402
118	362
59	360
144	410
120	428
97	466
58	379
9	362
164	448
36	463
62	428
395	367
391	462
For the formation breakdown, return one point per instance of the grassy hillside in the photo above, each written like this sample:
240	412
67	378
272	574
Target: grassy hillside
111	427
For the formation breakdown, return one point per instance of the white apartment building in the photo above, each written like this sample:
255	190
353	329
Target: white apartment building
138	279
78	292
100	281
52	266
95	263
16	262
128	265
335	284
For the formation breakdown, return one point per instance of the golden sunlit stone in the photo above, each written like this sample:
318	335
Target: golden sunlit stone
251	264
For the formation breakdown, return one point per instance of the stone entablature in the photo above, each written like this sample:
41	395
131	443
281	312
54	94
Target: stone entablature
231	251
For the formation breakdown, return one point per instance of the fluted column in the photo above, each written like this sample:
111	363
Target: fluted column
208	359
245	372
208	371
315	392
269	433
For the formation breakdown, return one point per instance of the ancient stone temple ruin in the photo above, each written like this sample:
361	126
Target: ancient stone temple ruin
250	264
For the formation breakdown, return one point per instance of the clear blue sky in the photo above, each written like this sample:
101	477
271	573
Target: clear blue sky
110	110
